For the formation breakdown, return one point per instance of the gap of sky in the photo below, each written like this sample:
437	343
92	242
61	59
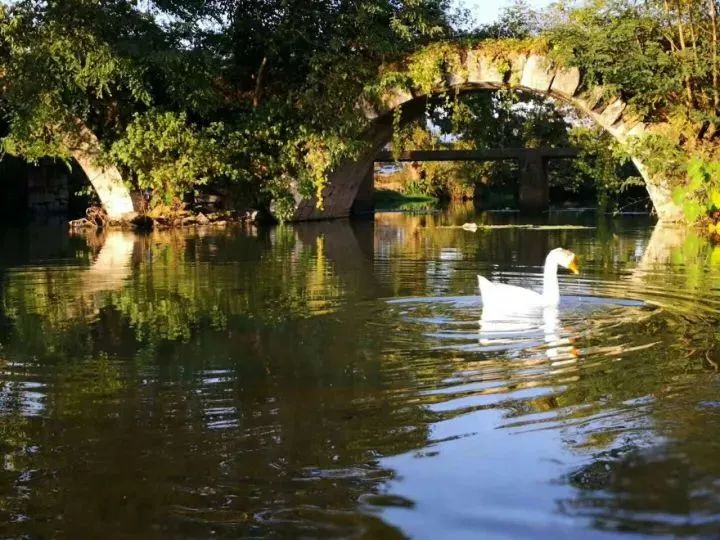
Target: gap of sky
487	11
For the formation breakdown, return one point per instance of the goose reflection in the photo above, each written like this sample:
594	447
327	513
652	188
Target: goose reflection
516	331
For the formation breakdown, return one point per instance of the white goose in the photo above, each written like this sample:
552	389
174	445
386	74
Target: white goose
509	298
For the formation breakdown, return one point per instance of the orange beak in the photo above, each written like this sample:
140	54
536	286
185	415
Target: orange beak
574	266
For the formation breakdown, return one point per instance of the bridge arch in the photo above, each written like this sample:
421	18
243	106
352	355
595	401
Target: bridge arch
479	68
106	179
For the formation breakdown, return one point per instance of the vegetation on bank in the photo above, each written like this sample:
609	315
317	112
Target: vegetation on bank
259	100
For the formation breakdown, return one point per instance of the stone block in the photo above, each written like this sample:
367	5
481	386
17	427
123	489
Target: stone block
491	72
517	67
537	74
566	82
456	77
396	96
612	113
367	109
483	70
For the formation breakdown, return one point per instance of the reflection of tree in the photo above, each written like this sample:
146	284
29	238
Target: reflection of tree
222	376
654	466
228	377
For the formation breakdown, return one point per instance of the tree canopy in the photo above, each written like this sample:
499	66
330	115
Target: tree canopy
268	88
262	96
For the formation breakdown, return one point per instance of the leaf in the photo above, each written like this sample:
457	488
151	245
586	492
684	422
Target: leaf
678	195
715	256
715	198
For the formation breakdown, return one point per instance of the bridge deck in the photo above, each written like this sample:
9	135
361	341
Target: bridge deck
496	154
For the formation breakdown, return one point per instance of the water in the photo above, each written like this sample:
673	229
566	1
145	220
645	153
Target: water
338	380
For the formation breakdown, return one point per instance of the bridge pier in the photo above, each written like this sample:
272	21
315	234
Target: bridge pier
364	203
534	189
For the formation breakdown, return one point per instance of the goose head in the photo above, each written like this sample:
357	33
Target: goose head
565	258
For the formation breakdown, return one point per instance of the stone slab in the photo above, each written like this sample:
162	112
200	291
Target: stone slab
537	73
566	82
612	113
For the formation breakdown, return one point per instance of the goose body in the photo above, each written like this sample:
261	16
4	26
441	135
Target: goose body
510	298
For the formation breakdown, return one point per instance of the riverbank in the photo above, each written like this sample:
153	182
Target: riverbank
97	218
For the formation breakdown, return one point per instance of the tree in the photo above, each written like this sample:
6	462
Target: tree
276	79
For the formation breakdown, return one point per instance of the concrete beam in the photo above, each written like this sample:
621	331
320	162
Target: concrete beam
497	154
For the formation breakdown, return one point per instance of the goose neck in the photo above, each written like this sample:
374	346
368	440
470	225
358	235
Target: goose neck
551	289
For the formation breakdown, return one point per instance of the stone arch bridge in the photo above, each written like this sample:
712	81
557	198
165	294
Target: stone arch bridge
481	69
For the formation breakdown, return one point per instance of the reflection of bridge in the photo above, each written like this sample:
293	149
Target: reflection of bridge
533	194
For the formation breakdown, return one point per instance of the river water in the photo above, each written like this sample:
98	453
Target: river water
336	379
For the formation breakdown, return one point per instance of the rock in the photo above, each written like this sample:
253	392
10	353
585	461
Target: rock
177	223
81	223
220	223
202	219
190	220
250	216
142	221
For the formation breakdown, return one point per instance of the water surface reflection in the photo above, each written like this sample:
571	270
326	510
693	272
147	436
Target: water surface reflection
340	379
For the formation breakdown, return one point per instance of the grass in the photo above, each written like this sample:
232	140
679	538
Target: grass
387	199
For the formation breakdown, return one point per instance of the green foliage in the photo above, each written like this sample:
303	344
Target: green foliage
263	95
700	197
604	163
54	73
270	87
595	36
170	156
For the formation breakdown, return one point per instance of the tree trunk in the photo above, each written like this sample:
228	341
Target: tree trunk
258	82
714	45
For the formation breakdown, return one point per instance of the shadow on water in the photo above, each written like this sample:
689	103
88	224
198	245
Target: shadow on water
339	379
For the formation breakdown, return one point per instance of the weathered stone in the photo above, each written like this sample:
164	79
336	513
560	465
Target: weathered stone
538	73
472	66
627	128
595	99
81	224
491	72
456	77
566	82
517	67
367	109
190	220
660	195
612	113
107	181
396	96
638	130
485	72
202	219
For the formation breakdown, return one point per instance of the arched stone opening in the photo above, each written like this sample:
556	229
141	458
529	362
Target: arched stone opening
479	71
44	192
